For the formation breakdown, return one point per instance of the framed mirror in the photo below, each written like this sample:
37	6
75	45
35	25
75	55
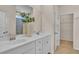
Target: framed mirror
19	9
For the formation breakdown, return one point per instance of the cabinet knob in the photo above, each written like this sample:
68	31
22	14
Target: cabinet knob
5	32
47	42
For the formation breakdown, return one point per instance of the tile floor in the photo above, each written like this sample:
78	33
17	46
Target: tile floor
66	47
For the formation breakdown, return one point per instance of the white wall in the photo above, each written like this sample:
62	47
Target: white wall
64	9
48	22
37	15
11	12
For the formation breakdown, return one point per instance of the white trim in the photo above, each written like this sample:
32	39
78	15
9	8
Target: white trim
67	13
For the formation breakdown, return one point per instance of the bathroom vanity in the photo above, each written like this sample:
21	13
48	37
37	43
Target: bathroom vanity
37	44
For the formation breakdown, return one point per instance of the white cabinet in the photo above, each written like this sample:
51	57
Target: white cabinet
43	46
46	45
39	46
31	51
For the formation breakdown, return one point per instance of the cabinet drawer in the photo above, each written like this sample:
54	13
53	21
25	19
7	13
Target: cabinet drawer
21	49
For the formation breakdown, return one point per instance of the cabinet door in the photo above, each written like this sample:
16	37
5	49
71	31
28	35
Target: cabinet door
39	46
46	45
30	51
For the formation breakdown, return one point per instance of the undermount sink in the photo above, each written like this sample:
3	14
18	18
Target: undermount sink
19	39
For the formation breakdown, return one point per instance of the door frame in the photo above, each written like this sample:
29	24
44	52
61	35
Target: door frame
72	25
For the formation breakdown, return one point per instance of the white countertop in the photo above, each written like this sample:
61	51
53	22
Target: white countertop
20	40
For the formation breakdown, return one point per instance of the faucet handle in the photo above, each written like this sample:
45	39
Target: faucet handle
5	32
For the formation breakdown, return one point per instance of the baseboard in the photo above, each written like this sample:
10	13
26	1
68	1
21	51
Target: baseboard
75	48
52	52
66	40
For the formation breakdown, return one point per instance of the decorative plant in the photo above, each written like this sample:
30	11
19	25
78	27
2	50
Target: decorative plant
27	18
